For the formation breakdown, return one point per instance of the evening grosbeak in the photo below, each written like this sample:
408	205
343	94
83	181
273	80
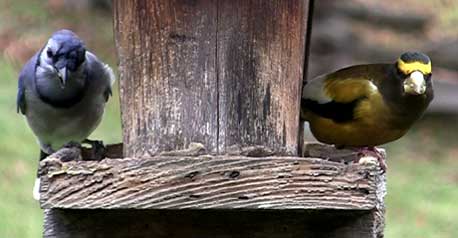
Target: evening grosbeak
364	106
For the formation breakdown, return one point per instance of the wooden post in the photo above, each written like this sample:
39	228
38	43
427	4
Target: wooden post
210	93
222	73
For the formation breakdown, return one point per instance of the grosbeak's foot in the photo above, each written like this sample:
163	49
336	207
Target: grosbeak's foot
98	149
366	153
340	147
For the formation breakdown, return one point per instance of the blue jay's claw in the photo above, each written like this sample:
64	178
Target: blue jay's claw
69	145
72	144
98	149
43	155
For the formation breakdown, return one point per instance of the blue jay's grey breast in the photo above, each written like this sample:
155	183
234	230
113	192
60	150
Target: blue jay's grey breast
57	126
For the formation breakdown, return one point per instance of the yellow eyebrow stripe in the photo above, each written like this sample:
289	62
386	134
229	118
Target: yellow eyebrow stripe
407	68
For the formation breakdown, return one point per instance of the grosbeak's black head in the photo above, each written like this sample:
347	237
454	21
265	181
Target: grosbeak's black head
415	69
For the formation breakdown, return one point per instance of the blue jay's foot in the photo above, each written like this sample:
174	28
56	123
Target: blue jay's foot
72	144
98	149
45	150
43	155
71	156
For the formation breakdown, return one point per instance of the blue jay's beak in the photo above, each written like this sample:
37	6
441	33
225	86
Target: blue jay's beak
62	74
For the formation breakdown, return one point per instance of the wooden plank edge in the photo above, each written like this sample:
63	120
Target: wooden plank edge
211	182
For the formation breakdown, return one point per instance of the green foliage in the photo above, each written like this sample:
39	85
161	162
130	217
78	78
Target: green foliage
19	214
423	182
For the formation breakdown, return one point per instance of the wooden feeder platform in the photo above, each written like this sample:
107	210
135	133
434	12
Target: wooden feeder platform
304	194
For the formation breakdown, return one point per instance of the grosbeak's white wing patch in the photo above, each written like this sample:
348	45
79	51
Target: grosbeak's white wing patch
314	90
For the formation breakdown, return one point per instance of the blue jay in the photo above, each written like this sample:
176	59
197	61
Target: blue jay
62	91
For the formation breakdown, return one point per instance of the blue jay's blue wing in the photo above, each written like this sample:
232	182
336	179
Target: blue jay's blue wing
110	77
20	99
107	93
27	74
100	73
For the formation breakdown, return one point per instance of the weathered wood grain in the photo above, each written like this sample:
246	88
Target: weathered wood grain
212	196
260	57
168	87
209	182
221	73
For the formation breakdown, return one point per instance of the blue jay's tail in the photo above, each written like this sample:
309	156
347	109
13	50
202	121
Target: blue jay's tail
36	186
36	190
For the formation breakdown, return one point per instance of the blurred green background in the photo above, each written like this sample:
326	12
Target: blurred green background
423	165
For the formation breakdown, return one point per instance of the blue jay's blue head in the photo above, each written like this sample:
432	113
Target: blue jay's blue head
65	53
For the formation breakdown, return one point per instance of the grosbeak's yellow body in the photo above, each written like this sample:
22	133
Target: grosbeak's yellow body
368	105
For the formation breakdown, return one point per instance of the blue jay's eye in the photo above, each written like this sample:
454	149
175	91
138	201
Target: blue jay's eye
81	55
49	53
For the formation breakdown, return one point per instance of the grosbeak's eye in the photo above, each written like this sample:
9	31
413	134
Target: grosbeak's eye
49	53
